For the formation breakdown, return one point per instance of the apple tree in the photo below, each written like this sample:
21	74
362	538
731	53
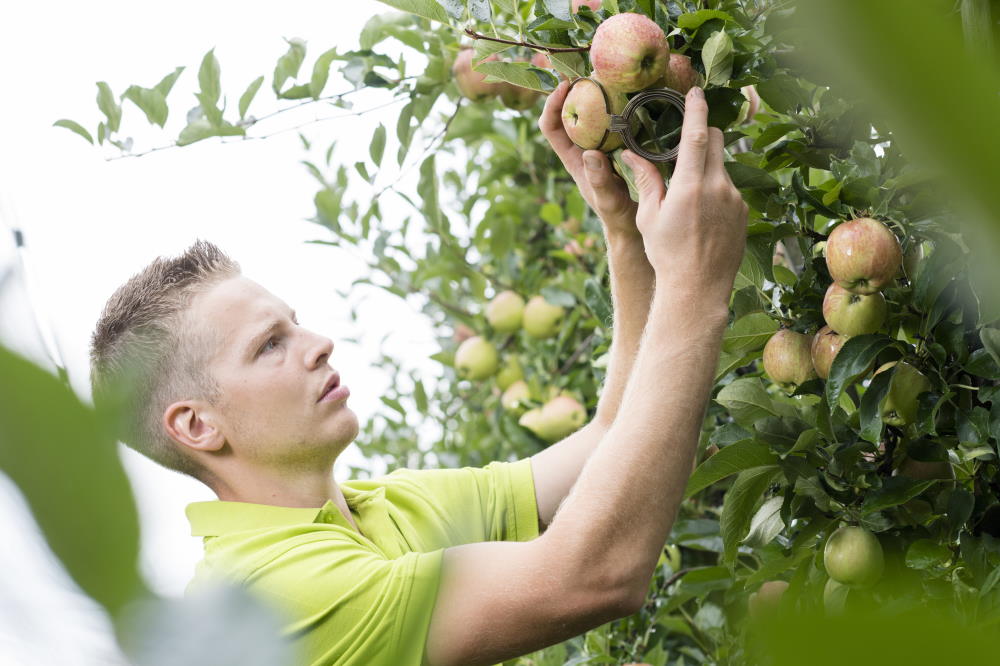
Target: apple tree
848	457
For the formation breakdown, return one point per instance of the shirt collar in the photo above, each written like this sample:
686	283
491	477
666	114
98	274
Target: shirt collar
218	517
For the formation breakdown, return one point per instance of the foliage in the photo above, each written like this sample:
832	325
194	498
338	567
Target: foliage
497	211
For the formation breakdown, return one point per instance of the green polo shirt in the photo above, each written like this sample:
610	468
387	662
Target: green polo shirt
364	599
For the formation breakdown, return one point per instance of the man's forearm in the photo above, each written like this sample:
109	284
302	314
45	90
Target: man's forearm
632	284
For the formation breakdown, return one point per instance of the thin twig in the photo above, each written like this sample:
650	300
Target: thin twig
551	49
577	353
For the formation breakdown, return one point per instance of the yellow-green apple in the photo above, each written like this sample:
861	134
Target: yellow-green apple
899	406
532	420
826	343
853	314
863	255
629	52
819	249
472	84
476	358
561	416
541	318
462	333
788	358
680	75
767	598
512	397
509	373
853	556
673	556
594	5
834	596
750	107
586	117
505	311
516	97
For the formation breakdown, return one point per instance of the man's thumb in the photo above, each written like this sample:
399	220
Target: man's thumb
648	180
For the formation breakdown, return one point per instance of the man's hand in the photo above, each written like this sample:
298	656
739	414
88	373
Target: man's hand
694	232
604	191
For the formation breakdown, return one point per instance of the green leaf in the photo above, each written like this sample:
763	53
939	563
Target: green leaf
288	64
738	506
321	72
990	338
570	65
765	524
717	56
429	9
596	298
377	146
208	80
70	474
166	84
106	103
480	10
248	95
427	188
202	129
784	93
747	400
894	491
926	554
74	127
694	20
772	133
518	73
748	333
751	178
851	362
559	9
868	412
150	101
756	263
730	460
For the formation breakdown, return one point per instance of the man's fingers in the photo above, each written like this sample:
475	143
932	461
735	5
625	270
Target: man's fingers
550	123
714	168
694	139
648	180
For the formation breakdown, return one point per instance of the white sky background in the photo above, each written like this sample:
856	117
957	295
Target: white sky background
90	224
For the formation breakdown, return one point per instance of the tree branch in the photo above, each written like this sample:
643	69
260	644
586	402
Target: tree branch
551	49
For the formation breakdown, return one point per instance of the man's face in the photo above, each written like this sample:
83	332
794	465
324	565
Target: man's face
271	372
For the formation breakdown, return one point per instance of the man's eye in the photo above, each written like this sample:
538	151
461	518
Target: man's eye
267	344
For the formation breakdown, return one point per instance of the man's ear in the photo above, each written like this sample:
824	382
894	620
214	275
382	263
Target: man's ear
193	424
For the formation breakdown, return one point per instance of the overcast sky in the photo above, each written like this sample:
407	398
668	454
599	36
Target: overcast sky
90	224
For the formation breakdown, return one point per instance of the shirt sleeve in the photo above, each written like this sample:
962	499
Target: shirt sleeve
346	605
492	503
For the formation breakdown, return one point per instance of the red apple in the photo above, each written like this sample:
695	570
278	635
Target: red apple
472	84
750	107
680	75
586	117
629	52
863	255
788	358
826	343
595	5
853	314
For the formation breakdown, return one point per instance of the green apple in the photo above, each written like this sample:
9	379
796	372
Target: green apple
788	358
834	596
673	557
512	397
472	84
557	418
509	373
853	556
629	52
863	255
505	311
767	598
541	318
516	97
476	358
899	407
853	314
586	116
826	343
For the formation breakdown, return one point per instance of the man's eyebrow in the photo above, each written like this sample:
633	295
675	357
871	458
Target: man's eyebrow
259	339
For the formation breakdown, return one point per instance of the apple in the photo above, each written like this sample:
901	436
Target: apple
575	249
766	599
826	343
834	596
922	470
853	314
541	60
863	255
462	333
472	84
512	397
476	358
586	118
788	358
556	419
680	75
819	249
571	226
541	318
505	312
750	107
900	404
673	556
595	5
516	97
509	373
912	259
853	556
629	52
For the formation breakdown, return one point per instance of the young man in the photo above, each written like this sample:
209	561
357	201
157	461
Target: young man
438	567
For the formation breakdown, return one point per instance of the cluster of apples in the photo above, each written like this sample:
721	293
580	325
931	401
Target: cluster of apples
473	86
477	359
853	559
629	53
863	257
